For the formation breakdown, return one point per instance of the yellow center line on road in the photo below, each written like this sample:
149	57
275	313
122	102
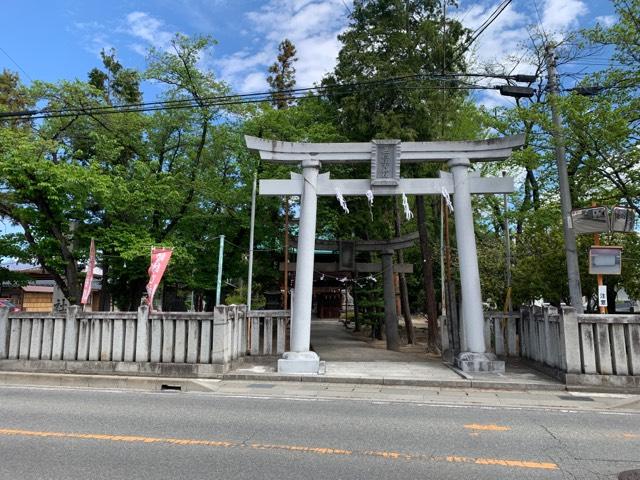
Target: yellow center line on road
290	448
625	436
493	428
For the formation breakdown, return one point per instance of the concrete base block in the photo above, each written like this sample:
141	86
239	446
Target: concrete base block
299	362
479	362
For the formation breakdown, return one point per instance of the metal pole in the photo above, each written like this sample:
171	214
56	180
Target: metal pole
507	250
575	290
286	253
442	248
251	229
220	257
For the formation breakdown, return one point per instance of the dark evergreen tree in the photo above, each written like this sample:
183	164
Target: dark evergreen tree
283	75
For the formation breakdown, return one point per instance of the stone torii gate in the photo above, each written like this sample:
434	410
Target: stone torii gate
385	157
347	262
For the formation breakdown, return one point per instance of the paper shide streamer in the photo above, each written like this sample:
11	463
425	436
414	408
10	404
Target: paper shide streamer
447	199
369	195
342	202
407	211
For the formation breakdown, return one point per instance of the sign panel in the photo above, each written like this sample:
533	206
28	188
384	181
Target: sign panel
602	296
385	162
605	260
623	219
347	259
590	220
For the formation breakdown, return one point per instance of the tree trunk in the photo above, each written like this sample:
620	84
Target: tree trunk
431	308
356	319
404	292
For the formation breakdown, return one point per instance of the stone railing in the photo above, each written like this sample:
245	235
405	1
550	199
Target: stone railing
542	336
144	343
589	349
604	349
500	333
268	331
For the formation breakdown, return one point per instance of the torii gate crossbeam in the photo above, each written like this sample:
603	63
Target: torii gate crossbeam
385	157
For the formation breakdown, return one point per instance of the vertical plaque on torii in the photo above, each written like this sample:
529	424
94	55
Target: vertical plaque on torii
385	163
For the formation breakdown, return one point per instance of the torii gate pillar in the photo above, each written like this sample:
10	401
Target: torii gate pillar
300	359
476	358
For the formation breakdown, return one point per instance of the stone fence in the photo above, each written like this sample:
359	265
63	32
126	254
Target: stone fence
581	349
138	343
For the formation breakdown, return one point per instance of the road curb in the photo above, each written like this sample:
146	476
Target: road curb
462	383
199	384
119	382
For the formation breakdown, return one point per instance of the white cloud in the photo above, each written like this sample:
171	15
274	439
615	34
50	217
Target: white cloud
94	37
502	47
607	20
312	25
148	28
254	82
559	15
501	39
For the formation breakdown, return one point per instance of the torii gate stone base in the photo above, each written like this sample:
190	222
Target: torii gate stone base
385	157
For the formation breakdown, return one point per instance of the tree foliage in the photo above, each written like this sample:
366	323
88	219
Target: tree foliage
282	74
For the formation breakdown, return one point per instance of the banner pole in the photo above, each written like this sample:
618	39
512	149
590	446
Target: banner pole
220	257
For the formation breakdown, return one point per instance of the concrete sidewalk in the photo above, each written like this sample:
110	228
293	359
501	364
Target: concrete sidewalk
351	358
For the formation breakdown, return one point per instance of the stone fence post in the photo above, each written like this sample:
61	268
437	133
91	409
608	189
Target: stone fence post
142	334
570	333
4	332
71	334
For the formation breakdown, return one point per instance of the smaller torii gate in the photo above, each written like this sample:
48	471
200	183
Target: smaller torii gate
385	157
386	248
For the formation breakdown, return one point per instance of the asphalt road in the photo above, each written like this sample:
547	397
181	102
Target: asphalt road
80	434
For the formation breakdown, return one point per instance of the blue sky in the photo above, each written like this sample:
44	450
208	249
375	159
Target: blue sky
61	39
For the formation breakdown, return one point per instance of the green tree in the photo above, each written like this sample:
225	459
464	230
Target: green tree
385	85
283	74
131	180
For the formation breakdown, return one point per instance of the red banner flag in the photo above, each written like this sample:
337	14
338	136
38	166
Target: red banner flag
159	260
88	280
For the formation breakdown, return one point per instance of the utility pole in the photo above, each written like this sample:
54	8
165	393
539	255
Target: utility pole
220	257
571	251
251	229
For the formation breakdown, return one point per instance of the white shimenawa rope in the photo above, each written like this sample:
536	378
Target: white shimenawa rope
447	199
342	201
407	211
369	195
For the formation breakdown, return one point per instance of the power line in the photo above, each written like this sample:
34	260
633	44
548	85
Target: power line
478	31
204	101
16	63
228	100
